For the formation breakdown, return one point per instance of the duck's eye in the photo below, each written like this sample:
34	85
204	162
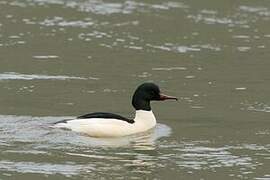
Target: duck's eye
151	92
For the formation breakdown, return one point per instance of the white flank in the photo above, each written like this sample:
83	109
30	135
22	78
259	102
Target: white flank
99	127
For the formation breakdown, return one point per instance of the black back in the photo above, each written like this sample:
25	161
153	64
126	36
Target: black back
101	115
105	116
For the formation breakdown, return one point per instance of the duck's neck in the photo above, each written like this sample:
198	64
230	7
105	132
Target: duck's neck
145	118
139	103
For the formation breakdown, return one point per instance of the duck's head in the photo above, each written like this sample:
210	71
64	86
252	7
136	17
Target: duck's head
145	93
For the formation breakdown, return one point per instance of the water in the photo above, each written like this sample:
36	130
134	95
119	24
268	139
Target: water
64	58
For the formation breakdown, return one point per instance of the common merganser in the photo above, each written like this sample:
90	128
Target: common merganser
100	124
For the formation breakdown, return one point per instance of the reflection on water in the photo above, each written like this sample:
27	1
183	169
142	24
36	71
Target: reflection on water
33	141
37	139
38	129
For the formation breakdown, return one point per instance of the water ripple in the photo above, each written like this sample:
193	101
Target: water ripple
217	20
261	11
18	76
105	8
256	106
30	137
128	7
59	21
168	68
40	168
185	49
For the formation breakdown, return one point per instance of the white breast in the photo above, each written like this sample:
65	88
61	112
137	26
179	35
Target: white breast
99	127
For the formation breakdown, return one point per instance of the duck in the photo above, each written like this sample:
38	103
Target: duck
104	124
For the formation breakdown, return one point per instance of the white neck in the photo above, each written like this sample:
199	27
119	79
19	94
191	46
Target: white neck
144	120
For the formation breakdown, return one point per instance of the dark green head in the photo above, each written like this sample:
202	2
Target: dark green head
145	93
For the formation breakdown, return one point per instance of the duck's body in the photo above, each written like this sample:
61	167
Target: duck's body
113	125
